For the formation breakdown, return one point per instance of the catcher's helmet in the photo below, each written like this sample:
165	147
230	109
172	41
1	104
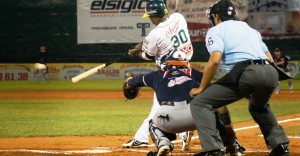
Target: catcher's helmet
177	58
224	8
155	8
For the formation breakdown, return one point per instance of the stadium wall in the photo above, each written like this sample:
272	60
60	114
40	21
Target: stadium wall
66	71
28	24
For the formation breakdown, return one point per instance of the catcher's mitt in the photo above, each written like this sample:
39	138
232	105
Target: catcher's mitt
130	92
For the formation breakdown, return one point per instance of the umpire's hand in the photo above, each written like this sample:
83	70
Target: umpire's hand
195	91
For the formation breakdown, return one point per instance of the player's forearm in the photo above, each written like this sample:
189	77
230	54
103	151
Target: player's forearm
271	60
138	46
208	74
210	69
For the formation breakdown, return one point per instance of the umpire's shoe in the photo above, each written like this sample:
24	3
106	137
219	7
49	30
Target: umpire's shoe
281	150
219	152
135	144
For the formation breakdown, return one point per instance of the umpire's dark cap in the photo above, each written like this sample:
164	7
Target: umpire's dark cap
224	8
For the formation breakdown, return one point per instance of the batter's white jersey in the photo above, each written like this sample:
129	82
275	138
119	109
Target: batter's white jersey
168	35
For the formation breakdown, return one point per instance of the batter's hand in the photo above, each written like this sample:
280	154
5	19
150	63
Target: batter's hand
133	52
194	92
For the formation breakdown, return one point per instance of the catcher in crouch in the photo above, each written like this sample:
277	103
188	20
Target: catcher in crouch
172	85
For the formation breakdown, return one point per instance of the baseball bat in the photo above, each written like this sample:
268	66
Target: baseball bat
93	71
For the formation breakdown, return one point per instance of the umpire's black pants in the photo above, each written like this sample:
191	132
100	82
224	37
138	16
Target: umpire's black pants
256	81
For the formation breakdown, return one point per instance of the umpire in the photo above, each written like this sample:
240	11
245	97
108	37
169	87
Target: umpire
238	48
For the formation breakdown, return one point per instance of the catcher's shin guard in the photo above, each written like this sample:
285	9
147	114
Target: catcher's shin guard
161	138
228	135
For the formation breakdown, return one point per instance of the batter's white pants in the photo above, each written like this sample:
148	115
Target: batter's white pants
143	133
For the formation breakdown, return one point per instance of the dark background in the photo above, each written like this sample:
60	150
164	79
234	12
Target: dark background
25	25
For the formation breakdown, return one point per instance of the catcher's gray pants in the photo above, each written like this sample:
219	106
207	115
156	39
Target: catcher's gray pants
174	119
258	81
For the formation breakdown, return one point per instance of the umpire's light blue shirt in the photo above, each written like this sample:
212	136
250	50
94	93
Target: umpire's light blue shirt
237	41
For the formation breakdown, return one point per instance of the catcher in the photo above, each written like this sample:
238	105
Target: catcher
171	84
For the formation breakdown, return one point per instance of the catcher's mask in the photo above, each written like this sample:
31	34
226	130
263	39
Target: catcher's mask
224	8
155	8
178	59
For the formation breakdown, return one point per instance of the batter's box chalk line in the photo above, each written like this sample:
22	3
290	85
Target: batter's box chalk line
99	150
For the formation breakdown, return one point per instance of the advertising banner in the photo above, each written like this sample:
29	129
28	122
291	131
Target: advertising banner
61	71
66	71
111	21
194	12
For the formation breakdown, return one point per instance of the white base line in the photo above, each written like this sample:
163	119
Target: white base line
106	149
256	126
245	128
293	137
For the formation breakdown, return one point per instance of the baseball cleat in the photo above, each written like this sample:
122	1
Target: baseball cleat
186	141
281	150
135	144
219	152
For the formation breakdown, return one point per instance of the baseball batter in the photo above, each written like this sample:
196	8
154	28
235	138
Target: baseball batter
171	33
240	49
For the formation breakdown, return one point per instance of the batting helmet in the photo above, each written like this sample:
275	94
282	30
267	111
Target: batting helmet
224	8
155	8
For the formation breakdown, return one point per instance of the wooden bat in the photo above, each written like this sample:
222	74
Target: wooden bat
93	71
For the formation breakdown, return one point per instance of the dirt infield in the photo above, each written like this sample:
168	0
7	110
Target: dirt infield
248	132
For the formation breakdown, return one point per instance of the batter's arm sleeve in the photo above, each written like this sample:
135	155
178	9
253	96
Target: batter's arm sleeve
146	56
137	51
150	47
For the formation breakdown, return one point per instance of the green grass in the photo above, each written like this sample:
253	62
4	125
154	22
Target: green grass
69	117
19	118
240	113
82	85
293	131
61	85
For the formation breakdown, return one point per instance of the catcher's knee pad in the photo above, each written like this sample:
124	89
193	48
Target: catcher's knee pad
160	137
